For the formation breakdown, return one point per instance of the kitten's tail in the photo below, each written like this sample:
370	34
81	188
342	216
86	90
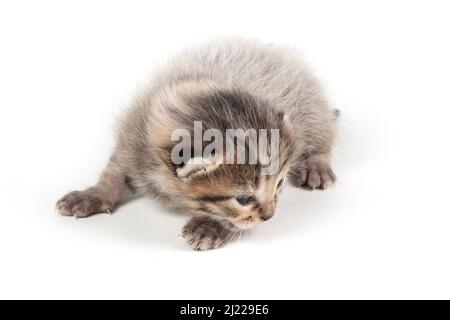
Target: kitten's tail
336	113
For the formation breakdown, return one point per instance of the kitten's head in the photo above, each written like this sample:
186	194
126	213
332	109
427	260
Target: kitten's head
236	193
241	193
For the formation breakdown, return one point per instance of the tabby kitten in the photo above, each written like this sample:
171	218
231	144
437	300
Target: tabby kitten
227	84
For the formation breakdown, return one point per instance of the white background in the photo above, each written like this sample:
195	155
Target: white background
68	68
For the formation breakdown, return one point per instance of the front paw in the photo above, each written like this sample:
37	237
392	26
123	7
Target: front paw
202	233
81	204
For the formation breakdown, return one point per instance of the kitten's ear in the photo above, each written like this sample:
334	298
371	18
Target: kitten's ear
197	166
284	118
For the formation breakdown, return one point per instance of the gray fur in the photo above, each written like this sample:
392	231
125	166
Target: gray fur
230	83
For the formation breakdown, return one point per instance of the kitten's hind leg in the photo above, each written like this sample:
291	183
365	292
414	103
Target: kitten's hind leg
313	172
203	233
110	190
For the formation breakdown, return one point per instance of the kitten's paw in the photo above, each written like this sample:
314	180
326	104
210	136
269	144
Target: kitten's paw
81	204
202	233
315	173
312	179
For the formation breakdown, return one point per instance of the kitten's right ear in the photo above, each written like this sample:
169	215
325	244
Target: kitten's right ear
197	166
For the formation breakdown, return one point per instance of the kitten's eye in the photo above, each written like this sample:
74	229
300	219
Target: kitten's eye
280	183
244	200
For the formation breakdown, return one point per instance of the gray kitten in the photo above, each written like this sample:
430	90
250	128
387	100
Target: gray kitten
224	84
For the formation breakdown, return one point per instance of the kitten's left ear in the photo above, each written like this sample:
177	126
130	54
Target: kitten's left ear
197	166
283	117
285	120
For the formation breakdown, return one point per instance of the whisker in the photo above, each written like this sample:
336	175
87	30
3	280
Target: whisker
228	238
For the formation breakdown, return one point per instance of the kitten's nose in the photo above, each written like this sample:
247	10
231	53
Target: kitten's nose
266	214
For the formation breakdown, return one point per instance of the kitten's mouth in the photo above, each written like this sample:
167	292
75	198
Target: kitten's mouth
245	223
